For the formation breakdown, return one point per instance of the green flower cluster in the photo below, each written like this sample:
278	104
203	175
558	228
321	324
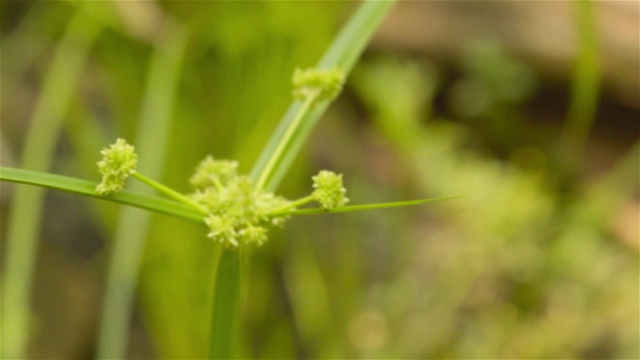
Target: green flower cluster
328	190
317	84
237	213
118	162
235	210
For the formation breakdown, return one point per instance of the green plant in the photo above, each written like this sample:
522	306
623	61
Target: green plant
231	205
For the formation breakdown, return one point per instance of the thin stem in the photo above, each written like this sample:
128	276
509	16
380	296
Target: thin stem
343	53
293	204
585	86
277	154
170	192
353	208
227	301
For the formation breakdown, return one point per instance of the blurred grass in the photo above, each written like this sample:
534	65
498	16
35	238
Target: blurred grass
586	83
151	141
528	265
24	225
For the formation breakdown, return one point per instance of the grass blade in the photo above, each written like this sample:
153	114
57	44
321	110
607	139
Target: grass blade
352	208
585	89
23	224
87	188
225	321
343	54
133	225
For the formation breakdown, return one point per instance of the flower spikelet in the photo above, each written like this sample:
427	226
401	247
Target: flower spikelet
211	171
328	189
238	213
323	84
118	162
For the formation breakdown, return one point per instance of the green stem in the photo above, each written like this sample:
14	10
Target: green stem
225	322
170	192
353	208
343	53
586	84
293	204
293	126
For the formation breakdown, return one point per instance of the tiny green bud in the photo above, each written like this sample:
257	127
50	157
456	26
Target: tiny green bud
254	234
210	171
329	191
118	162
223	229
321	84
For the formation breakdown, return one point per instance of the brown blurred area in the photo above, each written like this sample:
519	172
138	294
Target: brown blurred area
544	33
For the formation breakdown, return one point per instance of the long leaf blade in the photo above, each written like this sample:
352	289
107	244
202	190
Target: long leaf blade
87	188
352	208
343	54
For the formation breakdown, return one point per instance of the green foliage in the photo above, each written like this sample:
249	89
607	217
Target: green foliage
528	264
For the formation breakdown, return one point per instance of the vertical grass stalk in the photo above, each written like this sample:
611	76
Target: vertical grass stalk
24	223
586	84
227	304
276	159
133	224
343	53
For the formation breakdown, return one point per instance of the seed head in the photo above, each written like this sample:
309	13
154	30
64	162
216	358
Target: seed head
329	191
238	213
118	162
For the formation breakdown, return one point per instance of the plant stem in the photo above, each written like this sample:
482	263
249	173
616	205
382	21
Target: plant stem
293	204
169	192
352	208
585	87
343	53
227	300
286	139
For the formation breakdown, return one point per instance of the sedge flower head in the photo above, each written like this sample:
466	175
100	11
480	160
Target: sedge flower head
329	190
237	213
118	162
321	84
211	171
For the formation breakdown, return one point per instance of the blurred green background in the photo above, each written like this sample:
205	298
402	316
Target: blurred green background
489	100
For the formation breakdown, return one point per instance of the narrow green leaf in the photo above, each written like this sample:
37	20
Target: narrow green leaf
153	134
87	188
23	226
586	82
343	54
226	306
352	208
